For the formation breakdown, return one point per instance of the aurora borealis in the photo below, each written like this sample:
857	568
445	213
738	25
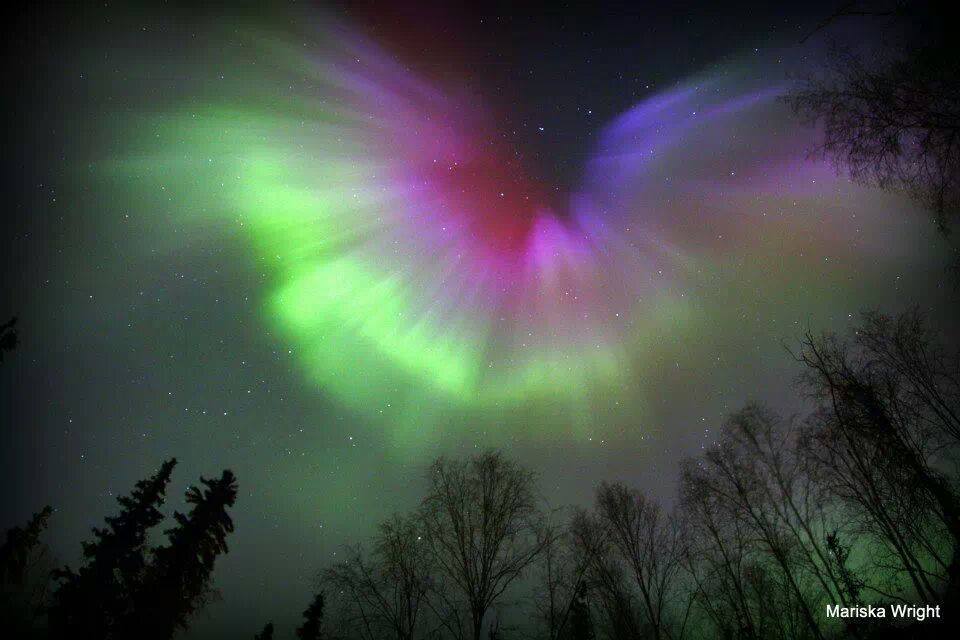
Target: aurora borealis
413	261
287	242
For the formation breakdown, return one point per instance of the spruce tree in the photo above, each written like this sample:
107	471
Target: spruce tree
581	622
89	602
8	337
22	579
266	634
17	547
312	627
178	580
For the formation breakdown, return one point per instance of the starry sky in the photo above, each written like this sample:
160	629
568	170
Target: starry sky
320	245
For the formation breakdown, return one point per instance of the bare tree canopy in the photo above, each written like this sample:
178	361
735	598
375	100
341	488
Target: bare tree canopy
884	437
383	596
645	540
852	504
560	598
892	118
482	528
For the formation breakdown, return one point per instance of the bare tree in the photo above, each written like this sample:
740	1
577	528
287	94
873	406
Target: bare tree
886	423
893	118
717	555
790	499
646	541
384	596
748	485
561	573
481	526
926	373
606	578
878	503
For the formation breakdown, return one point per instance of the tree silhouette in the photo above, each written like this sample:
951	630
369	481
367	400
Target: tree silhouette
887	412
312	627
561	570
18	545
266	634
892	119
717	554
8	337
177	583
645	541
751	484
383	596
480	525
581	621
840	554
22	590
89	602
856	503
617	615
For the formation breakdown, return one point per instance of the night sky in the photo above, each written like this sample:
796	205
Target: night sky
321	245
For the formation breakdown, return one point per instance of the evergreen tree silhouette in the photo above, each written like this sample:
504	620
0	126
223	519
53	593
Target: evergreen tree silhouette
178	581
89	602
266	634
8	336
21	593
581	623
17	547
312	627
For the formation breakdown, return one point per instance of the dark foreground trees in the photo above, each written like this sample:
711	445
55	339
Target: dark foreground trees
8	337
481	527
630	548
442	568
892	117
91	602
24	567
382	595
312	627
178	581
853	504
125	589
19	547
884	439
266	633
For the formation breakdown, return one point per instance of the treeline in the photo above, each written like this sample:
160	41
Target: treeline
853	504
123	589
